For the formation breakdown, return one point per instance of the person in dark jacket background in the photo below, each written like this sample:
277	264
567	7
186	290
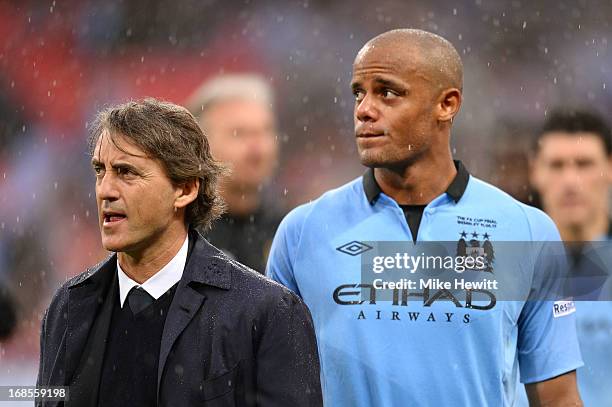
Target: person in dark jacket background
8	313
168	319
236	112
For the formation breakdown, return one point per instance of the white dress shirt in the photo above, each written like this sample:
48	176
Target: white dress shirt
161	281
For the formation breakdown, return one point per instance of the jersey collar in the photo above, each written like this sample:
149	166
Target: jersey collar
455	190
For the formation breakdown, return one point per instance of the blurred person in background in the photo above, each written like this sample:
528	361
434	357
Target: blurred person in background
132	330
236	113
408	86
8	313
571	171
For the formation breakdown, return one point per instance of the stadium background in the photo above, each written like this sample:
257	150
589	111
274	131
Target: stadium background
61	61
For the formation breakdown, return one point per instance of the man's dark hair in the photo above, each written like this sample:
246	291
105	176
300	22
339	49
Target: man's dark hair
170	134
577	121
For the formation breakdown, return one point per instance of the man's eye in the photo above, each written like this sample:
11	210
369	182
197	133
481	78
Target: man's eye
124	171
389	94
98	170
556	165
359	95
584	163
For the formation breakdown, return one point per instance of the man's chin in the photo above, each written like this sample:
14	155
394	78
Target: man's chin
113	245
247	182
574	219
372	159
378	160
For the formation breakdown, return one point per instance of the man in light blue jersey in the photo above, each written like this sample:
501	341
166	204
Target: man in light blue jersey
425	350
572	170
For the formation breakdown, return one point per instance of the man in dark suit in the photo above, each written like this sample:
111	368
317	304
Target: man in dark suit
169	320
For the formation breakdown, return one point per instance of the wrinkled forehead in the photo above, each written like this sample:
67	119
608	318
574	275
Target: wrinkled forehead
113	142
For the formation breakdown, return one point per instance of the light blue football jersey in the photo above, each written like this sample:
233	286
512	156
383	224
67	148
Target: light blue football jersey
445	353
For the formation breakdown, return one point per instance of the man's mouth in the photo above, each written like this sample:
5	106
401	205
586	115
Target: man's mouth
112	217
370	134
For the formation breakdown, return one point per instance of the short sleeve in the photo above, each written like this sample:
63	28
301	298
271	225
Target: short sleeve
547	340
281	259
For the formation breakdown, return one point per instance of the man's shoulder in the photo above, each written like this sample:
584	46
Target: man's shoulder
256	296
490	194
59	301
256	286
540	225
327	204
336	196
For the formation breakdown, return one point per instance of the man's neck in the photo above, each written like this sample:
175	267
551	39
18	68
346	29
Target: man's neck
241	201
142	264
418	183
596	229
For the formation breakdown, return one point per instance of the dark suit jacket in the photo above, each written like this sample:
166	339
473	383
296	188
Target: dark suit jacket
231	337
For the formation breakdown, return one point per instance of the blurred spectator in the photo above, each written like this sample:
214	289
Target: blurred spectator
236	114
571	171
8	313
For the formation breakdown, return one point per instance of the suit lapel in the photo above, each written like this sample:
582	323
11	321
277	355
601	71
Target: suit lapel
58	374
85	297
205	265
184	307
86	380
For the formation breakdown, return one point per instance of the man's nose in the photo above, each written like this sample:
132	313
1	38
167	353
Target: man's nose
366	110
106	187
571	178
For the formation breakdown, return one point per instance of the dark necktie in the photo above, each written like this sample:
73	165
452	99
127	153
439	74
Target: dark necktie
139	299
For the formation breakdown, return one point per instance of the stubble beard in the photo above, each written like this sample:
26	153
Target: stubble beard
393	160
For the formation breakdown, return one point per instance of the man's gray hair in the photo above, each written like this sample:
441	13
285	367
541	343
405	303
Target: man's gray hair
230	87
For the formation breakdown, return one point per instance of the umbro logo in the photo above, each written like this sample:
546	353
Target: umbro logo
354	248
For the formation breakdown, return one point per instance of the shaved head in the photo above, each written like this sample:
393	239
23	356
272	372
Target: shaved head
407	87
426	54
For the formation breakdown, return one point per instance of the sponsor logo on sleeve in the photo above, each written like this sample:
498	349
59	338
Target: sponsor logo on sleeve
563	308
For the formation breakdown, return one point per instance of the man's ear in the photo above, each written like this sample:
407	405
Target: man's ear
537	171
532	172
449	103
187	193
